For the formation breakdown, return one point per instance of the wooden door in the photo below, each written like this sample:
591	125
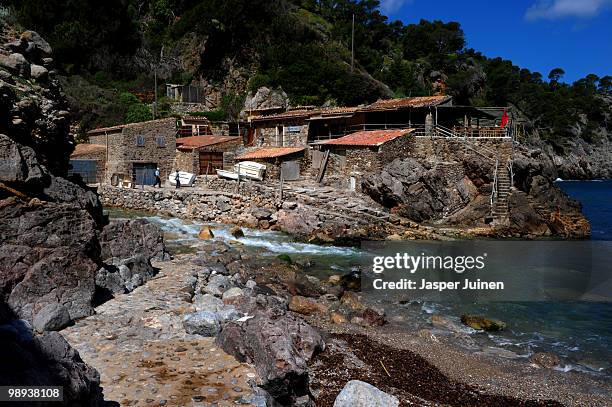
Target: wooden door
210	161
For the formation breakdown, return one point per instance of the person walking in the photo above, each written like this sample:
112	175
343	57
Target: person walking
157	178
177	179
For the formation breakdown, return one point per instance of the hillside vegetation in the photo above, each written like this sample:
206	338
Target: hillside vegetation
302	46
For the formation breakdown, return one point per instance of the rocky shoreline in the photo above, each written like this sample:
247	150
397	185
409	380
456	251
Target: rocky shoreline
302	338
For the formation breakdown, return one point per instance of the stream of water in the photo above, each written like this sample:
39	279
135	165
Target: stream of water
579	332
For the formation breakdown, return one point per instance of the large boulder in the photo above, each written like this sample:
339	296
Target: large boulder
16	63
125	238
279	345
35	360
48	255
361	394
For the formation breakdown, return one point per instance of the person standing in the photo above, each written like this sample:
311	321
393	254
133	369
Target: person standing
177	179
157	178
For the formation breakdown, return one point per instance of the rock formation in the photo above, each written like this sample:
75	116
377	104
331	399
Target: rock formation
457	192
50	229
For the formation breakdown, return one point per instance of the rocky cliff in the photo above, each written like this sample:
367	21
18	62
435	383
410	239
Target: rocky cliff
455	191
55	245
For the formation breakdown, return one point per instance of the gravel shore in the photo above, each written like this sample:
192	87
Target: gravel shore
441	372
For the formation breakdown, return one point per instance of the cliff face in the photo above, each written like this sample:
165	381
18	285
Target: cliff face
49	249
455	191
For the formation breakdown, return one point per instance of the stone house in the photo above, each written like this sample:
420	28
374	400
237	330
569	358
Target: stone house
202	154
290	161
134	150
362	152
285	129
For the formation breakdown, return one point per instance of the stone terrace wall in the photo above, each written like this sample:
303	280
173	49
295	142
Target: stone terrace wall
448	149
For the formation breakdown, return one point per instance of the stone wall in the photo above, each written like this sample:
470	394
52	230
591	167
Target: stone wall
267	136
453	149
123	151
344	160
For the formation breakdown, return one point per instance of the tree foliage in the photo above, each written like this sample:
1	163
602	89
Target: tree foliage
304	46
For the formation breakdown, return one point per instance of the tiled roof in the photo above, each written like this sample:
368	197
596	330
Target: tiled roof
368	138
290	114
197	119
189	143
122	126
84	149
415	101
270	152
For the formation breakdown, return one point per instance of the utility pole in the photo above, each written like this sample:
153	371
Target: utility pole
353	44
161	56
155	102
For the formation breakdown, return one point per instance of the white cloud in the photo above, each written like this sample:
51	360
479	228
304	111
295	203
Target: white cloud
555	9
391	6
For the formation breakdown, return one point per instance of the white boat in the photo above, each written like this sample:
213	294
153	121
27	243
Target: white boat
247	169
186	178
227	174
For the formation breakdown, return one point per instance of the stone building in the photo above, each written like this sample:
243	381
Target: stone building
88	161
290	161
205	154
134	150
362	152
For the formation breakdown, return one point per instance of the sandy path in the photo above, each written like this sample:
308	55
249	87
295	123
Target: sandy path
137	343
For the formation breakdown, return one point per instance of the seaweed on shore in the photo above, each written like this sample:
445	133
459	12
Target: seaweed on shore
403	373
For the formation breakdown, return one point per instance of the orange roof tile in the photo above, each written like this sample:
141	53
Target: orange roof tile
269	152
189	143
84	149
368	138
415	101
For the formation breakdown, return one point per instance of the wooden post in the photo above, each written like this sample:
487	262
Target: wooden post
238	180
280	187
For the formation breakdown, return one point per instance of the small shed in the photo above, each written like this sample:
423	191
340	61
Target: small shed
88	161
363	151
205	154
288	161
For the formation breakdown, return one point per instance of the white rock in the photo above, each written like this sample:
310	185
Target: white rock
361	394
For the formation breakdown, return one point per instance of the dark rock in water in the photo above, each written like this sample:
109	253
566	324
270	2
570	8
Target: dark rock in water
237	232
126	238
482	323
279	345
545	359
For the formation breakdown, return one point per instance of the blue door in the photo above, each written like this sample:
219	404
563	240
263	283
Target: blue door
144	174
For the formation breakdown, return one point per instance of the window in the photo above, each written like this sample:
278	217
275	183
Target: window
140	141
161	141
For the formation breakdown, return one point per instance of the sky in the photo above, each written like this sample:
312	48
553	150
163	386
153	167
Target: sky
575	35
